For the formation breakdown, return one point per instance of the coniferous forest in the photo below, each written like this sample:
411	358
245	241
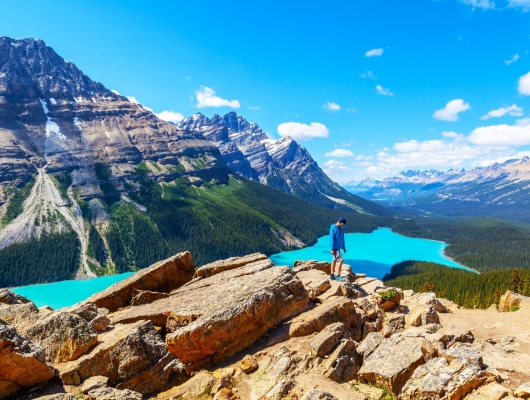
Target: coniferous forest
465	288
216	221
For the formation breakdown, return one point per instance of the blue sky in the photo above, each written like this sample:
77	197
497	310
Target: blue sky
370	88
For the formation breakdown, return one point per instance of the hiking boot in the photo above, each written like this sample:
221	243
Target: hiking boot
332	277
339	278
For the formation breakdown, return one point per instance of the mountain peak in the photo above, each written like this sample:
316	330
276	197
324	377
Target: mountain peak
42	73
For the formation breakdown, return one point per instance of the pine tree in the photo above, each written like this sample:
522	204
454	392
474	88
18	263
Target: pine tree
427	286
516	282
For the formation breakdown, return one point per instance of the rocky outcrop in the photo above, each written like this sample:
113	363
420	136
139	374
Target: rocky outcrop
231	263
510	301
163	276
339	309
258	325
20	315
22	363
63	336
440	378
9	297
316	282
393	362
239	311
131	356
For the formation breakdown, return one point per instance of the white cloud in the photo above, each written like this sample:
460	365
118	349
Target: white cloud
301	132
206	98
482	147
383	91
484	4
524	84
512	59
170	116
374	53
512	110
501	135
523	122
331	106
115	92
254	108
451	135
342	153
132	99
451	110
524	5
368	75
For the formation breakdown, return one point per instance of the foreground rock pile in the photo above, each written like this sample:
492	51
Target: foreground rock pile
242	328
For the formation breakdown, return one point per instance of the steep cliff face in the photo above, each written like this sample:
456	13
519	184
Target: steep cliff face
282	164
53	116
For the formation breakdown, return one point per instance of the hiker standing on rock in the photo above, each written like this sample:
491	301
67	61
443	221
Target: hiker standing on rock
336	241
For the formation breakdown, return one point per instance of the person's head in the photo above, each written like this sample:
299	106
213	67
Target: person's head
342	221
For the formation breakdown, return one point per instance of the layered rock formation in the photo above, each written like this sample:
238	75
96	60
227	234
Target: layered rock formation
53	116
243	328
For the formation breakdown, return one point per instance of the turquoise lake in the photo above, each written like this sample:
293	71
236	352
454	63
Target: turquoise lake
65	293
370	253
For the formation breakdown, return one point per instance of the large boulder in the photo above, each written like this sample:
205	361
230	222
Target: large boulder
424	299
327	339
63	336
307	265
217	320
316	282
392	363
273	378
210	319
132	356
163	276
440	378
216	267
343	364
22	363
9	297
339	309
511	300
160	312
19	315
422	315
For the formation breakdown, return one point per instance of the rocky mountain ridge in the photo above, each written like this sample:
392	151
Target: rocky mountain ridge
280	163
242	328
501	189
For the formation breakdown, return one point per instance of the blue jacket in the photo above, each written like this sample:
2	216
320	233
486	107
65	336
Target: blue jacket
336	237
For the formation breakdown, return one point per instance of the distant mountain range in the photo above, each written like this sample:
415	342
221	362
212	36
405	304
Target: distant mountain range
500	190
282	164
83	165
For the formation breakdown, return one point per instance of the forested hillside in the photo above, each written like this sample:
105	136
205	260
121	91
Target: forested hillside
216	221
465	288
